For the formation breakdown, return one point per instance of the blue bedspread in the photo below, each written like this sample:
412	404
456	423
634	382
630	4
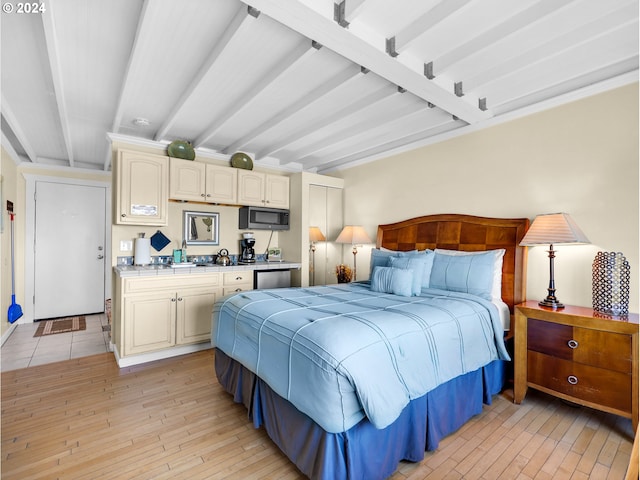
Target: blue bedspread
342	352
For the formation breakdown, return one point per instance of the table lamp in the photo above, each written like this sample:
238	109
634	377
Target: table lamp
356	236
550	229
315	235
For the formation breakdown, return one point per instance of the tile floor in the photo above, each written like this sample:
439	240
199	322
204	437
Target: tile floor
23	350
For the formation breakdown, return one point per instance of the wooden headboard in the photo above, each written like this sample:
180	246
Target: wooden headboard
467	233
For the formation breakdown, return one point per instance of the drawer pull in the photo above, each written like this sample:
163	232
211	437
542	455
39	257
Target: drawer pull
572	379
238	289
238	278
572	344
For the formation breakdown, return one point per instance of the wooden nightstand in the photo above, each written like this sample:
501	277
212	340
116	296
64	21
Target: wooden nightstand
579	355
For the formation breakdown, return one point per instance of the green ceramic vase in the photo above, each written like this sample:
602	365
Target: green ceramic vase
181	149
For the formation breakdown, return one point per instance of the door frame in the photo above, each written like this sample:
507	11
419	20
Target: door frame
30	223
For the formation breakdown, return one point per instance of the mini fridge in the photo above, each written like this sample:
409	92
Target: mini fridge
278	278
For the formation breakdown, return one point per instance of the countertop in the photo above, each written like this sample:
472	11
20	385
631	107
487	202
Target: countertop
151	270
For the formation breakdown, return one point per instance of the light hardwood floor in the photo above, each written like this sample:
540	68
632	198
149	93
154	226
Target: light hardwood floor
86	419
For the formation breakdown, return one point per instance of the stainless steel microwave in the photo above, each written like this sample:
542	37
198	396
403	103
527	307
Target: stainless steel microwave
262	218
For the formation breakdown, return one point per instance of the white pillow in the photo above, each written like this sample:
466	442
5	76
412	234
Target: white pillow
496	284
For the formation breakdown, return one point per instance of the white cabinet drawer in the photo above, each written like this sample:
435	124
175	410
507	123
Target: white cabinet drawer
146	284
238	278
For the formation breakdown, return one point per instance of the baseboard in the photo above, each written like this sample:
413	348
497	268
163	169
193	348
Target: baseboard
8	333
159	355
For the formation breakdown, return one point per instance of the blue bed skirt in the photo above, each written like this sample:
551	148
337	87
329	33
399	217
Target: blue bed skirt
363	452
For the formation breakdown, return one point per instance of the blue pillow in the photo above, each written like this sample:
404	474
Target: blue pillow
464	273
426	278
416	263
392	280
380	257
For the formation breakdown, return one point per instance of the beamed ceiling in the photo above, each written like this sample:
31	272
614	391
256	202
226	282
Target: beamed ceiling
300	85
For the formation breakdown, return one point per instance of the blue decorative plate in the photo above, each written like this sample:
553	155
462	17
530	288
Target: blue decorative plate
159	240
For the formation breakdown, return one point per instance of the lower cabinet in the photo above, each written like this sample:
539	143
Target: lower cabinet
155	313
161	312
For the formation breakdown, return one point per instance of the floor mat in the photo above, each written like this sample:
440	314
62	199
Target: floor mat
61	325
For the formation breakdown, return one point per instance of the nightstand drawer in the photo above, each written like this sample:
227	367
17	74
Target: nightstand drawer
611	351
592	384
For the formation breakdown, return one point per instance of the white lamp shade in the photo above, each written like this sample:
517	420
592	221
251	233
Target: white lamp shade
353	235
553	229
316	235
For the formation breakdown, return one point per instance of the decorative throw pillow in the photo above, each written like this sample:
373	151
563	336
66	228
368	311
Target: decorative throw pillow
478	273
416	263
392	280
380	257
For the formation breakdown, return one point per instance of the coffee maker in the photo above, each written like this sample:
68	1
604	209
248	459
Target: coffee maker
248	254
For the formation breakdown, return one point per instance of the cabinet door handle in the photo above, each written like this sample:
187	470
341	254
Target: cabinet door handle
572	343
572	379
179	299
173	299
202	194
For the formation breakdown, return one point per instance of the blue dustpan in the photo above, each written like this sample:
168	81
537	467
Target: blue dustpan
15	310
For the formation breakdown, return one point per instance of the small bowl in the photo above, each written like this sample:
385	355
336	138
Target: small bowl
248	235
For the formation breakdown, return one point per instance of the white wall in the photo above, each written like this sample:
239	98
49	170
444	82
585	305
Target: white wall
580	158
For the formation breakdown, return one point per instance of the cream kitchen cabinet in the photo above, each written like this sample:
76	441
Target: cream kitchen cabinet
142	188
263	189
156	313
202	182
238	281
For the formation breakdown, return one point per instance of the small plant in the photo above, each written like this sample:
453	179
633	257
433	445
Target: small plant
343	272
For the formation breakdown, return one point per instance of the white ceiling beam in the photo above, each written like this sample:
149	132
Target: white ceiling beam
352	9
499	32
142	33
557	45
324	30
426	21
327	87
237	29
328	119
9	116
305	154
297	56
51	41
387	149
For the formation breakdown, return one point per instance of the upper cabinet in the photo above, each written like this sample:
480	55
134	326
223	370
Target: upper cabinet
201	182
263	189
143	188
146	182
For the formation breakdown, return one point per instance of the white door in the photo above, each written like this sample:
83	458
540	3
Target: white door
69	250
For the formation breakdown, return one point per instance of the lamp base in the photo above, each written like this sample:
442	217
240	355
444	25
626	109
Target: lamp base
551	303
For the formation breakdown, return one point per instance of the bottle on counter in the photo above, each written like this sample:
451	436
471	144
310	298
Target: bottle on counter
183	255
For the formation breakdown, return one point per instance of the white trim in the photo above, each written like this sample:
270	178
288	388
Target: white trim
10	150
159	355
29	227
7	334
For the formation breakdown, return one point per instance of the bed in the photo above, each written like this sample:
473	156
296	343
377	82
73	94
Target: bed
350	379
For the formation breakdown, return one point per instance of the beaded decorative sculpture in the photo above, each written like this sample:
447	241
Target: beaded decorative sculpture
611	275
